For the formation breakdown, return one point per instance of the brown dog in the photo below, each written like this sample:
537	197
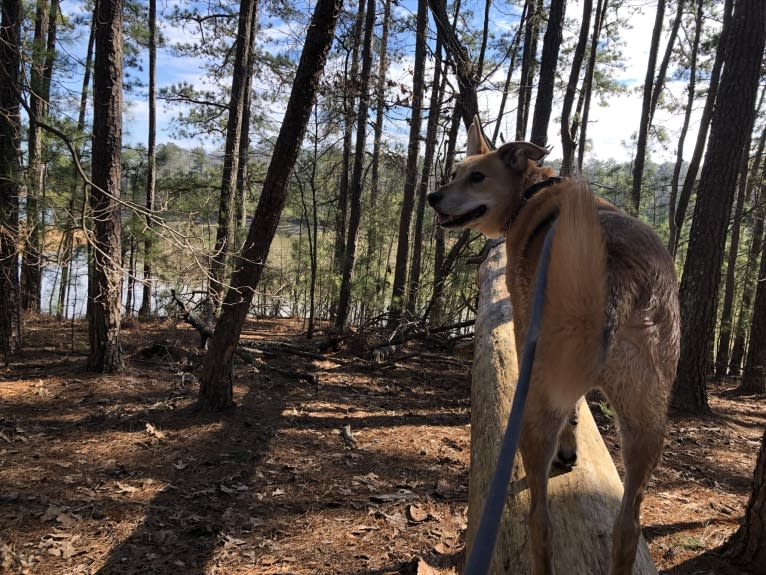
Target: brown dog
610	317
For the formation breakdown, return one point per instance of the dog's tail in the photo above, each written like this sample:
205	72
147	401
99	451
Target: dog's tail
576	294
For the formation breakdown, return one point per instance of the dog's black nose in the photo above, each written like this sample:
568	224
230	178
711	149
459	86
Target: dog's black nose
434	198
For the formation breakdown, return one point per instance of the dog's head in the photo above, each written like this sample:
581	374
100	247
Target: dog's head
487	187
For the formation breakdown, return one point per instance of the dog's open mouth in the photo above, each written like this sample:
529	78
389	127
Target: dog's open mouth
447	221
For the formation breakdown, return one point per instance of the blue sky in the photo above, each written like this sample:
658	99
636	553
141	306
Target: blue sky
610	130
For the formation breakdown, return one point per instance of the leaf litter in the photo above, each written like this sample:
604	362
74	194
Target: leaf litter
366	471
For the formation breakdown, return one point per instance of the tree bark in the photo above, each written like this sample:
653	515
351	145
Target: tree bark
434	106
534	10
751	282
747	175
43	49
730	129
747	547
704	126
690	97
234	129
646	111
583	104
151	168
105	285
399	290
568	127
357	177
548	67
10	175
216	379
583	502
754	374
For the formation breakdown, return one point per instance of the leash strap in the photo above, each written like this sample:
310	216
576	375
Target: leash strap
486	536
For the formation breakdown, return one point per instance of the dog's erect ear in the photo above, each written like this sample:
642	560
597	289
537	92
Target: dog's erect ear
517	154
476	144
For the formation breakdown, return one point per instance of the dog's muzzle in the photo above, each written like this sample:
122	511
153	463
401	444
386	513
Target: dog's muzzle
452	221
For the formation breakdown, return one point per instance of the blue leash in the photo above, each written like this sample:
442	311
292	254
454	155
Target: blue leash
486	536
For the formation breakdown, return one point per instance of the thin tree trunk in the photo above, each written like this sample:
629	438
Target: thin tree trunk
10	175
355	197
690	97
350	94
750	282
724	332
40	81
151	168
441	269
528	65
512	52
105	285
731	126
71	224
374	239
216	390
568	127
704	125
425	178
747	175
583	104
234	129
548	67
399	293
646	111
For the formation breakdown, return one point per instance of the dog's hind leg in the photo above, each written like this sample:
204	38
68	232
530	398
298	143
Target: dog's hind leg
642	447
538	442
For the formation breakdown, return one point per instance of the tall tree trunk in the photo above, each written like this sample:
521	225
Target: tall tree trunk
747	547
512	52
751	281
357	177
234	129
690	97
754	374
548	67
43	45
747	175
216	379
151	168
583	104
704	125
441	266
646	111
374	239
350	93
10	174
534	10
730	130
727	303
568	127
105	285
71	224
399	294
428	156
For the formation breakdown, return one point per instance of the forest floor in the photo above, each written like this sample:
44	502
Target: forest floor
327	466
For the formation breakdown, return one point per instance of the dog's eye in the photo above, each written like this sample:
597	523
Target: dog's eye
475	177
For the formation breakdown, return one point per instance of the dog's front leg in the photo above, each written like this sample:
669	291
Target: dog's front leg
538	443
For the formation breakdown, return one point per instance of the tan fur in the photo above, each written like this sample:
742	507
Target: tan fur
610	319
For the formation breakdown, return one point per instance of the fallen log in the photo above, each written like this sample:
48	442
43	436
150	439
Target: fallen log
583	502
